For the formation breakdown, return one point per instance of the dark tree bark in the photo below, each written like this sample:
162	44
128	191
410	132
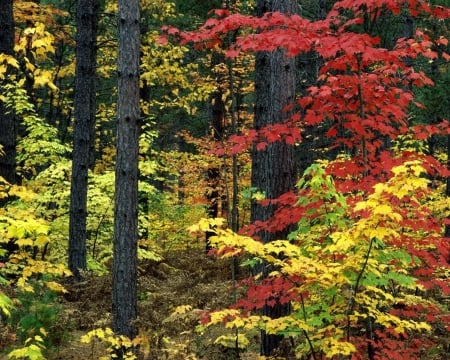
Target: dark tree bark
273	170
84	126
7	119
214	195
124	292
314	141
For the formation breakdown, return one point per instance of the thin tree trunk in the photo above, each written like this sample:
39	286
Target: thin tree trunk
124	292
273	168
308	65
214	192
84	125
7	119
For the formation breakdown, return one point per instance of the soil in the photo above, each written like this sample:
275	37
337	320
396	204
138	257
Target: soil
185	277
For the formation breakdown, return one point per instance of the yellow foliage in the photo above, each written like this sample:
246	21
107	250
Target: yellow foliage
219	316
347	276
41	42
230	341
286	324
52	285
162	65
335	347
5	61
44	78
114	342
37	42
182	309
22	192
33	349
36	267
19	225
207	225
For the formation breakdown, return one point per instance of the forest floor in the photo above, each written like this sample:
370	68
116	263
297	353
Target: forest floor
183	277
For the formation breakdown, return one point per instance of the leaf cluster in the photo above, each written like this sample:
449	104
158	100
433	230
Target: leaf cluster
346	268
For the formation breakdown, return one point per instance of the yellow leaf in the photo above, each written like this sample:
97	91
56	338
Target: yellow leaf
360	206
207	225
236	323
383	232
30	66
341	242
229	341
193	228
39	338
55	286
336	347
52	86
13	62
41	240
382	209
182	309
10	60
24	242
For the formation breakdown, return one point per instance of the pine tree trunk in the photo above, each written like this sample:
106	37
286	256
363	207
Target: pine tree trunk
7	120
309	63
84	125
214	195
273	170
124	292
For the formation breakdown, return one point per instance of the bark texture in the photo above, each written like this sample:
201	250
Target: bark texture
273	170
84	126
214	192
7	119
124	293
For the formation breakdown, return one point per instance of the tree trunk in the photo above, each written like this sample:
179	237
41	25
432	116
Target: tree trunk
7	120
273	170
124	292
214	192
309	63
84	126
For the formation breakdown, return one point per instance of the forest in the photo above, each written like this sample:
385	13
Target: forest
225	179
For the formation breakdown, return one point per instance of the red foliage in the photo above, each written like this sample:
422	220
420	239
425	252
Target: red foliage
268	292
363	95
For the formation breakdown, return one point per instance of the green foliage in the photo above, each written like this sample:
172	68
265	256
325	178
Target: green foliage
322	200
40	146
37	315
53	186
164	222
